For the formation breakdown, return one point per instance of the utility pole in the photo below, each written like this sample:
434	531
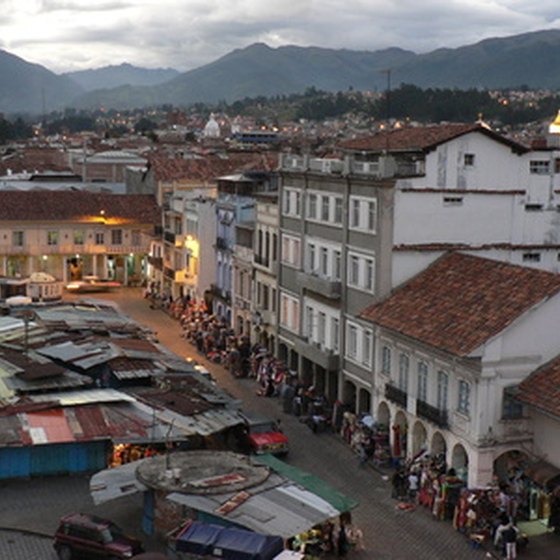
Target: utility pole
388	71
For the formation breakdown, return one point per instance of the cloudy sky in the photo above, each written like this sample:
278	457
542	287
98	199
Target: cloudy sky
66	35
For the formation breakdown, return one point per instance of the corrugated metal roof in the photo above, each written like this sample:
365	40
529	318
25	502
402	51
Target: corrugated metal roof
87	396
111	484
49	426
285	510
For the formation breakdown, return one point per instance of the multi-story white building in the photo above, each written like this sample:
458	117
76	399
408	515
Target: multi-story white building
265	266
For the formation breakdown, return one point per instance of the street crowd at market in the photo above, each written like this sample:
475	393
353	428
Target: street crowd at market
485	515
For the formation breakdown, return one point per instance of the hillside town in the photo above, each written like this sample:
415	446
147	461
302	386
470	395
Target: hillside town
388	291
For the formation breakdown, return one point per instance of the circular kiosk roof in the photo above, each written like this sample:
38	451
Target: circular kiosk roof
201	472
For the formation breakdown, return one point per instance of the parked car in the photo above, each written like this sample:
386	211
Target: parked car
262	435
92	284
85	536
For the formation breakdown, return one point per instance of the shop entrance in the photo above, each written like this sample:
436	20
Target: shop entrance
439	447
364	402
400	435
460	462
349	395
419	439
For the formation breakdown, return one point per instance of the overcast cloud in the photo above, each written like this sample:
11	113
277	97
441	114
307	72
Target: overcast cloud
66	35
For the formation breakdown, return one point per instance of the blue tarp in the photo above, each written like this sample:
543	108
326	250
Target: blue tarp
230	544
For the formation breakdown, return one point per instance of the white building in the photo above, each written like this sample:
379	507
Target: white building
449	346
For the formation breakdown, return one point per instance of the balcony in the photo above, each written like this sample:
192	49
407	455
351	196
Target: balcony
261	260
396	395
218	293
156	262
432	414
324	286
317	353
169	237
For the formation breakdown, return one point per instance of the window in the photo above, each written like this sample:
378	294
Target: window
366	347
539	167
52	237
312	209
335	337
290	253
289	312
78	238
311	257
369	279
533	207
352	341
468	159
325	206
422	381
322	328
18	238
386	360
338	262
309	322
464	402
354	279
453	201
404	363
355	222
363	213
531	257
371	215
442	390
291	203
511	407
361	272
324	262
116	237
338	210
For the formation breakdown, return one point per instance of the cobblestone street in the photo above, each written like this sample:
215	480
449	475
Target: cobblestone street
390	534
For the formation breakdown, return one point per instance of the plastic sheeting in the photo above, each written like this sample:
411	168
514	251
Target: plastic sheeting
227	543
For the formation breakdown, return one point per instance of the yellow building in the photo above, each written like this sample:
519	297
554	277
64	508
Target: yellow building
70	234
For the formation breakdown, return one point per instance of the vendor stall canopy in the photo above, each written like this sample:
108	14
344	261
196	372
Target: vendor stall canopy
227	543
543	473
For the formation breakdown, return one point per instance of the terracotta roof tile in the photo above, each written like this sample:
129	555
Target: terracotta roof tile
422	138
461	301
209	167
542	388
76	205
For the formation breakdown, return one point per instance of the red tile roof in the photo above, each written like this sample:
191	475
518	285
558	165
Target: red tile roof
422	138
461	301
76	206
542	388
34	159
209	167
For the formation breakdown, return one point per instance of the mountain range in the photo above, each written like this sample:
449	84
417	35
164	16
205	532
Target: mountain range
530	59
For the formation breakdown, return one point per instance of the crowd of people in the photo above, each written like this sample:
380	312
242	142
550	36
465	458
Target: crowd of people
484	515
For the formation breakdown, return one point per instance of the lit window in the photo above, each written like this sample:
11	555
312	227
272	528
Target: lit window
52	237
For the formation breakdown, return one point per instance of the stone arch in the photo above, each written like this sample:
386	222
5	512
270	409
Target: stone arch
460	461
383	414
439	445
508	462
399	436
364	401
419	438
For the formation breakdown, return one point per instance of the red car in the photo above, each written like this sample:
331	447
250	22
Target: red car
86	536
264	436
